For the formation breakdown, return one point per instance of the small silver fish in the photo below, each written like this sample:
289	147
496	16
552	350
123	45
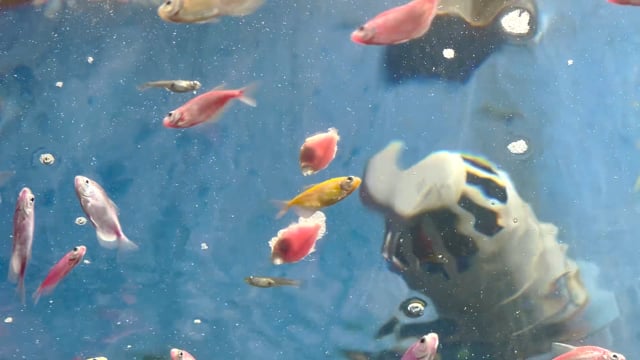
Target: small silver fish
23	225
103	214
267	282
178	86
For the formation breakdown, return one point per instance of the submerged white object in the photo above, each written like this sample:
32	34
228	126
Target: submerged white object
506	281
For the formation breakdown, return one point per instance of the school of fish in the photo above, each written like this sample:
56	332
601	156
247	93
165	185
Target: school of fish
292	243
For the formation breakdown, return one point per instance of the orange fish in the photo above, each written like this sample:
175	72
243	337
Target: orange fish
59	271
179	354
397	25
562	351
318	151
207	107
298	240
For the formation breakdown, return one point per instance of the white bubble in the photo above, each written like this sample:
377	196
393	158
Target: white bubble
81	220
47	159
448	53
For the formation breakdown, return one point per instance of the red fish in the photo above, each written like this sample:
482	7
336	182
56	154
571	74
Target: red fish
318	151
178	354
625	2
23	224
425	348
298	240
206	107
397	25
567	352
59	271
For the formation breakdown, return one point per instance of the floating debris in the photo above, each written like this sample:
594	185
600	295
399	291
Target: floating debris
59	84
47	159
197	321
569	62
8	320
81	220
204	246
90	59
518	147
448	53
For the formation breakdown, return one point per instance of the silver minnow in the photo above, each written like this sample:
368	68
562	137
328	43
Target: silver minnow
23	224
178	86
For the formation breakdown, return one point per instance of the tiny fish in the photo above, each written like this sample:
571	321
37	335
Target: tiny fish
625	2
298	240
59	271
562	351
397	25
178	86
179	354
319	196
425	348
103	214
205	11
207	107
267	282
318	151
23	224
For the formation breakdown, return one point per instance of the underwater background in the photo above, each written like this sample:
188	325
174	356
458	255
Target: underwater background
572	91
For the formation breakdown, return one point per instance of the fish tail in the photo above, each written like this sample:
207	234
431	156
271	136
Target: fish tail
21	291
283	206
124	244
36	296
143	87
246	92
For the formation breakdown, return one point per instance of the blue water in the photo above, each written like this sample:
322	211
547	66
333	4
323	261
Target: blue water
177	189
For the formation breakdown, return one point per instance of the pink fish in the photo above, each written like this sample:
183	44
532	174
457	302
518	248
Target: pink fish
568	352
207	107
298	240
59	271
397	25
178	354
318	151
625	2
23	224
102	213
425	348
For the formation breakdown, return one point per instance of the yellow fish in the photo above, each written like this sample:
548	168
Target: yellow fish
318	196
204	11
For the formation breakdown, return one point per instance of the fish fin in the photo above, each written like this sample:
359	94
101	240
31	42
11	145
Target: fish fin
558	349
124	244
143	87
36	295
283	206
304	212
219	87
21	291
14	268
246	94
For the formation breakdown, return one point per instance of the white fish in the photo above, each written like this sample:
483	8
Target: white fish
103	214
23	224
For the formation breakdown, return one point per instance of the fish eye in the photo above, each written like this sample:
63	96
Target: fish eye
170	114
423	339
349	178
75	249
168	2
615	356
361	28
86	181
32	199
